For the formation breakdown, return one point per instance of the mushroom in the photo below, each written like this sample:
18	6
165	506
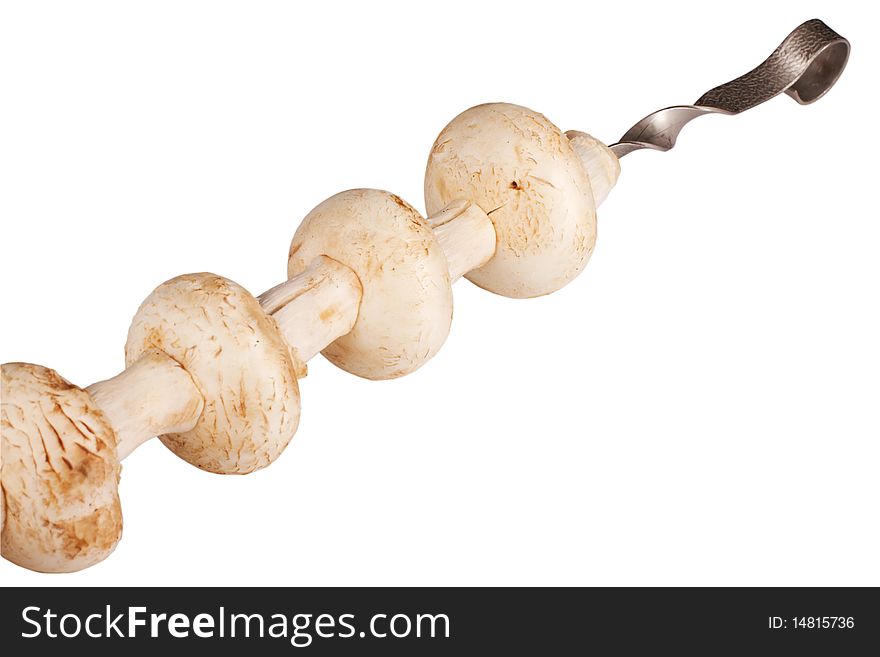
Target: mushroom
59	471
406	308
238	361
539	186
371	279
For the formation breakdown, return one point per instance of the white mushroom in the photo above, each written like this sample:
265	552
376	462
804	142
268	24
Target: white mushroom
370	280
536	185
239	362
59	472
406	307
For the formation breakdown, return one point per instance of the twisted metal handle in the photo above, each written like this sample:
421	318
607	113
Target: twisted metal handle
805	66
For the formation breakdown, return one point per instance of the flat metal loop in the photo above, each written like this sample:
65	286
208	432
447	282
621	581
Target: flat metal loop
805	66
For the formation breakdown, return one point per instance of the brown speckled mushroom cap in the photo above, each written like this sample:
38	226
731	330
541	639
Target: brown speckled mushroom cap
59	473
406	308
238	360
523	172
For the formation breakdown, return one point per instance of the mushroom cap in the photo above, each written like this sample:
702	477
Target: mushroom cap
59	473
239	362
406	307
523	172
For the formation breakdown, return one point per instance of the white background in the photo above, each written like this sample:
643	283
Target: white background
699	407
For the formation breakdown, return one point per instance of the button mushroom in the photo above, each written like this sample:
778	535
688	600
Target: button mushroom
539	186
239	362
404	269
60	473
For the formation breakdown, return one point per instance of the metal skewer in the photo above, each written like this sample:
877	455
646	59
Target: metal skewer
804	66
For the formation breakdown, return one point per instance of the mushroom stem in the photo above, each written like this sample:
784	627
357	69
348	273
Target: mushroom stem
466	235
315	307
152	397
602	165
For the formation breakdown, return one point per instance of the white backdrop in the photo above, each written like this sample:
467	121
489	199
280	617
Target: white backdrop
699	407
